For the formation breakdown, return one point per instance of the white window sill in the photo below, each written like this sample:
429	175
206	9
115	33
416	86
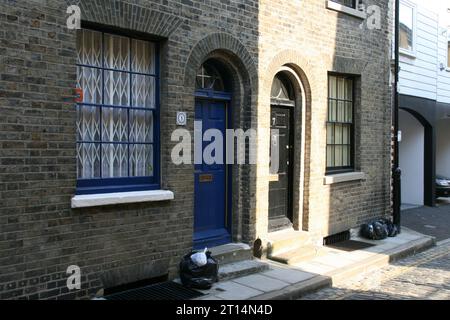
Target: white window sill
102	199
408	54
344	177
344	9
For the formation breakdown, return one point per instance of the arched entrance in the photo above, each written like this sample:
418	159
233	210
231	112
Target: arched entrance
417	151
443	158
212	207
411	154
282	104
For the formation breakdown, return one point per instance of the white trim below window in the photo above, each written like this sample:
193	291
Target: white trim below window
102	199
344	9
344	177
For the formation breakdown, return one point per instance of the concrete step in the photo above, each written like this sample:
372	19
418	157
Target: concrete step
242	268
231	252
298	254
286	240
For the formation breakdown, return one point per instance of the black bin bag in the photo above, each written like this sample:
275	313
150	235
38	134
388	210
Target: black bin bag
379	229
196	277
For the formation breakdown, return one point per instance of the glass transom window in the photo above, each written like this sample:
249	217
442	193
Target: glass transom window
209	78
340	123
117	115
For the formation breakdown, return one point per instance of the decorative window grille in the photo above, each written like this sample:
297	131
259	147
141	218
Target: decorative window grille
118	115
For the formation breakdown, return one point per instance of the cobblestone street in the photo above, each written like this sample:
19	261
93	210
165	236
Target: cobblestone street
422	276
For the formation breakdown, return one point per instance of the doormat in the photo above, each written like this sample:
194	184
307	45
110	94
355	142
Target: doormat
350	245
161	291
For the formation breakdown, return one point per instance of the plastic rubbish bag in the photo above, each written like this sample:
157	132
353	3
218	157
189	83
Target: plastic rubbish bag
199	277
392	229
200	258
379	229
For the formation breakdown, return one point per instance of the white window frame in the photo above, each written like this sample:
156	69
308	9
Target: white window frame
447	68
411	53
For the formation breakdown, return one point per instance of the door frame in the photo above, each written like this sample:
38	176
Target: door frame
211	95
290	106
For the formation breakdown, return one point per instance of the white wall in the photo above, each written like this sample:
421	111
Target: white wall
411	158
443	81
420	75
443	148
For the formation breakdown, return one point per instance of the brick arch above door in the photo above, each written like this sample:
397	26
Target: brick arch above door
304	77
241	68
224	42
301	65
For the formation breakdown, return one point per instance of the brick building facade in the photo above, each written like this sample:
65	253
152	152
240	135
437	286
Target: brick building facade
50	220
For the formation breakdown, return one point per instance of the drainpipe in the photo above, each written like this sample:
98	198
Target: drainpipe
396	172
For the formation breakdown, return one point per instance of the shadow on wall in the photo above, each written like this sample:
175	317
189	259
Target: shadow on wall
358	117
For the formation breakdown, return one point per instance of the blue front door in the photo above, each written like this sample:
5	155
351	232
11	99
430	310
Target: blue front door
211	227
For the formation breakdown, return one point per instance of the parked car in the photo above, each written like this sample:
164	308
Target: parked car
442	186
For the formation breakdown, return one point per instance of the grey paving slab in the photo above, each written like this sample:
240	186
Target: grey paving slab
314	267
434	222
289	275
337	261
235	291
383	247
360	255
261	282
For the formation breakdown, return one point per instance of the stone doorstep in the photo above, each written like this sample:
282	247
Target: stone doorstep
242	268
316	281
231	252
285	240
299	254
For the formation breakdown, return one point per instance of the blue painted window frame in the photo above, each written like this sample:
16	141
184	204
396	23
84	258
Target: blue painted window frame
125	184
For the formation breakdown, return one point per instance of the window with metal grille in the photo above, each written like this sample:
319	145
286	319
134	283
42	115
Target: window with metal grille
117	115
340	142
347	3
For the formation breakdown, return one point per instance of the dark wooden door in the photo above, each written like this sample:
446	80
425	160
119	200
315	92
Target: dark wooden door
280	186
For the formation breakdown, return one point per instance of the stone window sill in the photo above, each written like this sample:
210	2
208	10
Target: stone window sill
347	10
103	199
344	177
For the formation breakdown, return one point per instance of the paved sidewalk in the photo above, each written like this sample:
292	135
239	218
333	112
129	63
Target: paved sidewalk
291	282
422	276
432	221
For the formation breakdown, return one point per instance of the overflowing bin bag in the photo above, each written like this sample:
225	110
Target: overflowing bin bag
194	273
379	229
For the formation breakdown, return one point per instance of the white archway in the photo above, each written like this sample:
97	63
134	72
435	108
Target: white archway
411	151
